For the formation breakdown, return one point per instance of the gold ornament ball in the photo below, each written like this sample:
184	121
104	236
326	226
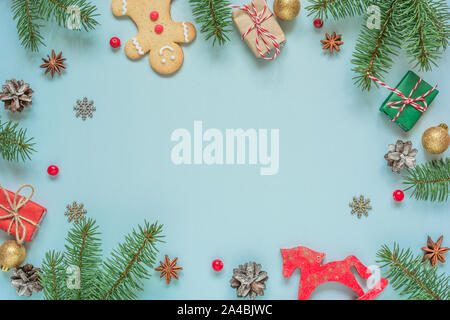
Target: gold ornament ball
12	254
286	9
436	139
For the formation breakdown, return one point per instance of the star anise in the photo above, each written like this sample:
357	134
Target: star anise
169	268
332	42
434	251
53	64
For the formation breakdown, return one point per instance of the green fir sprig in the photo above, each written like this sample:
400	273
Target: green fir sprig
83	252
15	145
429	181
420	27
214	16
411	277
31	15
117	278
337	9
53	276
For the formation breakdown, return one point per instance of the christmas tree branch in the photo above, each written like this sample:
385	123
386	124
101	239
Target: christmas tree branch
83	251
375	46
214	17
14	144
52	277
62	10
338	9
28	27
423	38
122	272
411	277
430	180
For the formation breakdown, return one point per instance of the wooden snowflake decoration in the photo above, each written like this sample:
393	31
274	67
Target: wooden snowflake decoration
84	108
360	206
75	212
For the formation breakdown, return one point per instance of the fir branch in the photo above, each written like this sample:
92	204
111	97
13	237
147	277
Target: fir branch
423	38
214	17
338	9
28	23
14	143
430	180
411	277
59	11
375	47
83	251
123	271
52	276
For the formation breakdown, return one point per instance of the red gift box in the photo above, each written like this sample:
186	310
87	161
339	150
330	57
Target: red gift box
20	216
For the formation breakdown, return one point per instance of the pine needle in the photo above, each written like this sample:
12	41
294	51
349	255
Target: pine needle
430	181
411	277
14	143
338	9
53	276
214	17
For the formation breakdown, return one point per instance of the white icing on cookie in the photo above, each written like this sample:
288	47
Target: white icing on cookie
137	46
163	48
124	7
161	51
185	31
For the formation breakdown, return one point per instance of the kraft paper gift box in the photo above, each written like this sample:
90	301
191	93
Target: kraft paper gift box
243	22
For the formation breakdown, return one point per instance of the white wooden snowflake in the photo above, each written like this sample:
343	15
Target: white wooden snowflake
75	212
84	108
360	206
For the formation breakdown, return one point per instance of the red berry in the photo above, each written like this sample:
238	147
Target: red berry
159	28
154	15
114	42
52	170
318	23
217	265
398	195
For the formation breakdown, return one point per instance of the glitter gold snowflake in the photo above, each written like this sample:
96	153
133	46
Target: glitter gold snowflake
84	108
360	206
75	212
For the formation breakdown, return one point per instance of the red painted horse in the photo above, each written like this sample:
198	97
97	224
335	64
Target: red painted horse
313	273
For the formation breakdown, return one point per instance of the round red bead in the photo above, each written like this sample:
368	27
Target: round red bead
154	15
318	23
217	265
398	195
52	170
114	42
159	28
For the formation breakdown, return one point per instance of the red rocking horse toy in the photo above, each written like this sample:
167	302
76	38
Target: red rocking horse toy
314	273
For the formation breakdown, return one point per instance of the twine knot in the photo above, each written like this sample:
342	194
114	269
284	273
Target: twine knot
13	211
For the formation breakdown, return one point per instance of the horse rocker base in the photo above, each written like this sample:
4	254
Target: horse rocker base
313	273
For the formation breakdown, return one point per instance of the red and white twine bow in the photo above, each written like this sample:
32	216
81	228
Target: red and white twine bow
261	33
407	100
13	211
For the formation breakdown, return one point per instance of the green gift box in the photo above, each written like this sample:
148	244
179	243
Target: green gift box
409	116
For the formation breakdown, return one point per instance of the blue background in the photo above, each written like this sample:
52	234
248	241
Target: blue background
332	142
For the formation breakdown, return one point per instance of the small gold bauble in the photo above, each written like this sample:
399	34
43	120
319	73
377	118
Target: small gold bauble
286	9
12	254
436	139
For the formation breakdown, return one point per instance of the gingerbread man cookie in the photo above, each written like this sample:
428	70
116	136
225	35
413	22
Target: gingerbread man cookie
157	33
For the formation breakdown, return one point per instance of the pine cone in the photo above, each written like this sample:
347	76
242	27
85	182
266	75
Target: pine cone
25	280
16	95
249	280
400	155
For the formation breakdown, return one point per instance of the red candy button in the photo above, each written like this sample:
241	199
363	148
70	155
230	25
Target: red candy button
52	170
159	28
154	15
114	42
